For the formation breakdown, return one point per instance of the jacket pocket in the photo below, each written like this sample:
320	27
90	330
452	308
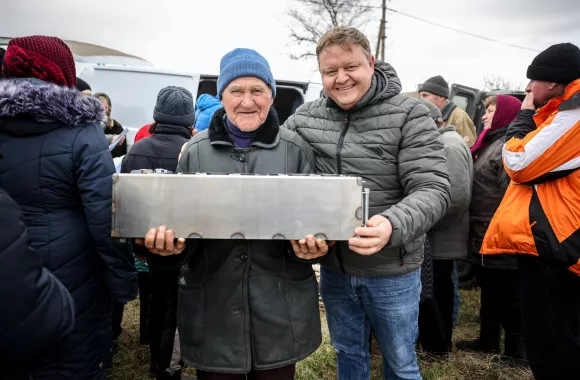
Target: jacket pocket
301	298
191	315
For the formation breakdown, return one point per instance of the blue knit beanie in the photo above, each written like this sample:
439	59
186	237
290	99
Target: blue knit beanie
244	63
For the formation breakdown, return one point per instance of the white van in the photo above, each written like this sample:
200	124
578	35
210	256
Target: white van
132	83
133	91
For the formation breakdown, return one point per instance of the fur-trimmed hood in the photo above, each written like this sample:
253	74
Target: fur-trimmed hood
45	103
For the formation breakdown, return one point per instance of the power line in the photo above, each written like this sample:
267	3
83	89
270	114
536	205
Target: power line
474	35
461	31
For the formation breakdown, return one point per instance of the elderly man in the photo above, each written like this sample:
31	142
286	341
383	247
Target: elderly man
246	308
539	217
436	90
364	127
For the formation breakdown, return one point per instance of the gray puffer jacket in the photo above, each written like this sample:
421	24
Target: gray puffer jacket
391	142
450	236
245	304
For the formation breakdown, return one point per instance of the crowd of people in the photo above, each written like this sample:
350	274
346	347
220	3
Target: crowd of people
506	199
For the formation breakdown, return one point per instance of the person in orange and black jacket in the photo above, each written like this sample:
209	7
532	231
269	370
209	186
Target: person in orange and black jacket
497	276
539	217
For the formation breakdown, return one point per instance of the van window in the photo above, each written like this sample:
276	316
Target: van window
134	93
461	101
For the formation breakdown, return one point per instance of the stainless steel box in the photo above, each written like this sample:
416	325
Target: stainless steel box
233	206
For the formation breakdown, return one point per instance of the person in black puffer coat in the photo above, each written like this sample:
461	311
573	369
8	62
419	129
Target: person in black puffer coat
42	311
174	120
56	165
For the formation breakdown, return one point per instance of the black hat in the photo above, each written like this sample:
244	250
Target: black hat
175	107
2	54
82	85
559	63
436	85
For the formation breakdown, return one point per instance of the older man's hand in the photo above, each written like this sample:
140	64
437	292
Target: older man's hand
161	241
311	248
372	238
528	103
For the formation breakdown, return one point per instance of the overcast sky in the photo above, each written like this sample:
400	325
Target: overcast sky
192	35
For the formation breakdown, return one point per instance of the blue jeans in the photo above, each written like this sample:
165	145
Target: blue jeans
390	305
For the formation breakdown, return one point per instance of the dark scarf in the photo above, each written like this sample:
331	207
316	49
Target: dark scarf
266	135
241	139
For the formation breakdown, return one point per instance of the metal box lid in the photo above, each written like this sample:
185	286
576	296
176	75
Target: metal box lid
233	206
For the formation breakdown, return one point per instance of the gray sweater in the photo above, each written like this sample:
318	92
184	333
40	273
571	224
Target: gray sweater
449	237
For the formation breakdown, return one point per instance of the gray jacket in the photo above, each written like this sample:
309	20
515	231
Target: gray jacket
450	236
246	304
391	142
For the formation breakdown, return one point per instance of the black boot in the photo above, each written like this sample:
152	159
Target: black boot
515	351
477	346
164	375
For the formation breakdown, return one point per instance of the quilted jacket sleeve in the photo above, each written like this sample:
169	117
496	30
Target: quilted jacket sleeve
37	310
424	176
459	164
94	169
544	154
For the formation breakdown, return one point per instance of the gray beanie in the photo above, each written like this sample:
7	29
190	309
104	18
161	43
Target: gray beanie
175	107
434	112
437	86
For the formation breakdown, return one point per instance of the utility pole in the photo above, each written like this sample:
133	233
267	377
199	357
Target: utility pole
379	39
382	35
383	31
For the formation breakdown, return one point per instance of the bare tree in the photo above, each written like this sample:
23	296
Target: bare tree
496	82
314	17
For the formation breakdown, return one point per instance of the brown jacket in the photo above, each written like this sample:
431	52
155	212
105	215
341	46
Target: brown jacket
463	124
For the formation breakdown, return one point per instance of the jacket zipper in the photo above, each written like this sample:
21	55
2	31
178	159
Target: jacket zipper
246	300
341	142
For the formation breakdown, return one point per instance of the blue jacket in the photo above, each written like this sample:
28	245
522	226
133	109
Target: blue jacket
55	164
205	107
37	310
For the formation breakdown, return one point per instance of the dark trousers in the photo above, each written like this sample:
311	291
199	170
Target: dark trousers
444	293
431	330
501	306
144	306
436	314
117	310
551	308
282	373
163	322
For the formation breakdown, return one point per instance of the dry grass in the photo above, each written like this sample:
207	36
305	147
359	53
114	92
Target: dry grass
132	360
